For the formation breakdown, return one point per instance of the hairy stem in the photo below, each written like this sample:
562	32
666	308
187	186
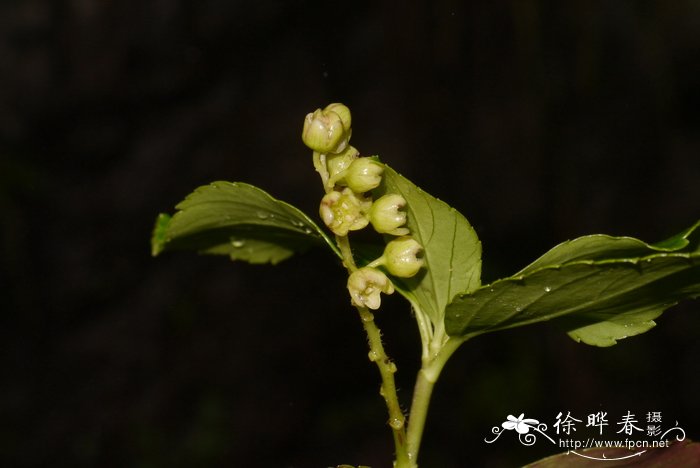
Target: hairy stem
386	367
437	349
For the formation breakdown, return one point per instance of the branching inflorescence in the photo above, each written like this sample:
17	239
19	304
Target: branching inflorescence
597	288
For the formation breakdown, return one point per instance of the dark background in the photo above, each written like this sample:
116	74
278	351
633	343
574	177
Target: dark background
540	121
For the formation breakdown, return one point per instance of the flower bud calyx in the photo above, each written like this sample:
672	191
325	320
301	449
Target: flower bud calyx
324	132
386	217
364	174
403	257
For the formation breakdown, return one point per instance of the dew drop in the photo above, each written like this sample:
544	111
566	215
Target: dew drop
263	215
547	289
518	309
237	243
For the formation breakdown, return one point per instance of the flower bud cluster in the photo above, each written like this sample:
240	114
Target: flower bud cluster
348	205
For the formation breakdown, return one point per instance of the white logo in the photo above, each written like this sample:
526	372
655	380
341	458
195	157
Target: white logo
566	426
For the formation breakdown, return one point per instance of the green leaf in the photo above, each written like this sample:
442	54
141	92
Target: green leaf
159	236
603	247
452	250
599	288
238	220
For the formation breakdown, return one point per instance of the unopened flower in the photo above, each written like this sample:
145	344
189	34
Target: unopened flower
364	174
342	111
401	257
386	217
344	211
338	164
324	132
365	286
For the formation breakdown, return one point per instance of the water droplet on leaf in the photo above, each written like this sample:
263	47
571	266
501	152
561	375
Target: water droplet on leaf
237	243
547	289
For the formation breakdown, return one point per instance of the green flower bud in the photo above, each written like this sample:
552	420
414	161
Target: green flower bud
364	174
344	211
365	286
324	132
338	163
342	111
401	257
386	217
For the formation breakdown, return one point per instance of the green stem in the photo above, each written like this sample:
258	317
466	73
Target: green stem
346	252
321	168
419	412
437	349
425	328
386	367
425	381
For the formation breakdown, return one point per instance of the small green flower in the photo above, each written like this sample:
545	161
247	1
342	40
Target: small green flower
324	132
402	257
386	217
365	286
344	211
364	174
338	164
342	111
